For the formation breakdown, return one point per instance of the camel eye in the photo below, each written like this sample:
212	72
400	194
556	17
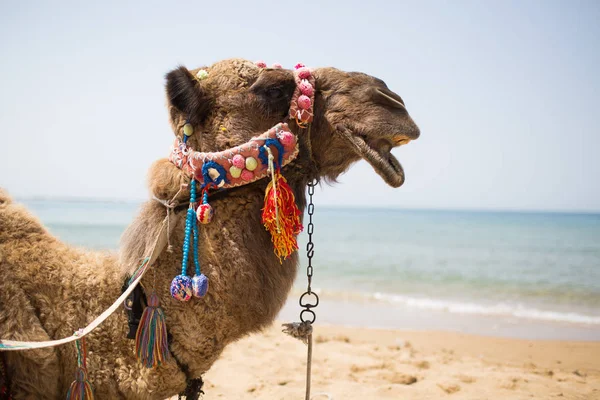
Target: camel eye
274	94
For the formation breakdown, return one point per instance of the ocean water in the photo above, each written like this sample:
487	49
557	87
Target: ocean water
531	275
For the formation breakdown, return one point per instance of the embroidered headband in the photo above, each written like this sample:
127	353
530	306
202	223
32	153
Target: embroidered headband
239	165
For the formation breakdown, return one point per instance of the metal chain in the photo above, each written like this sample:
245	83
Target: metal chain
308	316
309	299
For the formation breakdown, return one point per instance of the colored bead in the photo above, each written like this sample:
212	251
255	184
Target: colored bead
188	129
202	74
287	138
205	213
199	285
303	73
181	288
235	171
306	88
247	175
251	163
238	161
261	64
304	102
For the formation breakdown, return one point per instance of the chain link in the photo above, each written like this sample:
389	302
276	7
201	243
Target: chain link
309	299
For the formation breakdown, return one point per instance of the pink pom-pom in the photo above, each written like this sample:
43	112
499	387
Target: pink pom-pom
306	88
304	73
239	161
286	138
299	65
261	64
277	65
304	102
247	175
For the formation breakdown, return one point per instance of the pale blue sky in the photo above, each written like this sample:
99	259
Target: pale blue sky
506	93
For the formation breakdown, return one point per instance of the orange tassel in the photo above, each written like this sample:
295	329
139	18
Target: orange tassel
281	216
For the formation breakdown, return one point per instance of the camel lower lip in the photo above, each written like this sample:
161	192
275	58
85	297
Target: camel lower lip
382	161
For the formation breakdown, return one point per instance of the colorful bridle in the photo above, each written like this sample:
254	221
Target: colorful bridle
261	157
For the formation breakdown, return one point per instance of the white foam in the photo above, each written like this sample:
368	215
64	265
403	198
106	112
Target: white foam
498	309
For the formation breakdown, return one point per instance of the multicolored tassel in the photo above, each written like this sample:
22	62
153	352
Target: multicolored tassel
81	388
151	345
281	216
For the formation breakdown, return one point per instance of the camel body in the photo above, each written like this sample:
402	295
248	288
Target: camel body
49	290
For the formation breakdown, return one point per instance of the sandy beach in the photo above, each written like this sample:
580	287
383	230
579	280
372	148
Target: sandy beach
361	363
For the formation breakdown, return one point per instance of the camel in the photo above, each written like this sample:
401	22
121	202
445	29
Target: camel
49	289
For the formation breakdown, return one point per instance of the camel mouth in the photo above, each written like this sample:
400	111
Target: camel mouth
378	153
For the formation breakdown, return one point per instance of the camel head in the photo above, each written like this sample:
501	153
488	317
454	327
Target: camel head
355	115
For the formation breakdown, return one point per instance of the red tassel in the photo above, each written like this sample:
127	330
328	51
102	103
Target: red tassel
281	216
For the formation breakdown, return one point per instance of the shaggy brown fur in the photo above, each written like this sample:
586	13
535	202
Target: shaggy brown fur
48	289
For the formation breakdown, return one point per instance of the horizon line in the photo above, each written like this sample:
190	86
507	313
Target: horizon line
74	199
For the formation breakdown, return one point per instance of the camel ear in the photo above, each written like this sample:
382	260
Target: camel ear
186	95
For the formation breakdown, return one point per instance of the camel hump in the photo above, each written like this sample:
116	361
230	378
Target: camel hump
4	197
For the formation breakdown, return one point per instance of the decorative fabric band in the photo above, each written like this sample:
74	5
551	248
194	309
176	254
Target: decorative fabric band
303	100
240	165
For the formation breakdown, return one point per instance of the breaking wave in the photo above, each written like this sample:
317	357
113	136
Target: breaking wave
499	309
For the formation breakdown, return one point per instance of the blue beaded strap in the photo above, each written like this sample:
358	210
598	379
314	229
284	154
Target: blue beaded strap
196	261
190	224
182	287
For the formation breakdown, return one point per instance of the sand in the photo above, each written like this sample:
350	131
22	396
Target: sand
360	363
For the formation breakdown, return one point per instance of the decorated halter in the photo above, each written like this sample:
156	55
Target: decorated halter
261	157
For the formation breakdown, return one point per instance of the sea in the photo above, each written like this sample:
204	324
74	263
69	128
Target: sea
531	275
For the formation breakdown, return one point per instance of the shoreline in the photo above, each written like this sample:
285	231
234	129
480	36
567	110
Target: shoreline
372	314
362	363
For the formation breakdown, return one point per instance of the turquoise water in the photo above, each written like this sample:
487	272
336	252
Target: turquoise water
521	266
544	266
